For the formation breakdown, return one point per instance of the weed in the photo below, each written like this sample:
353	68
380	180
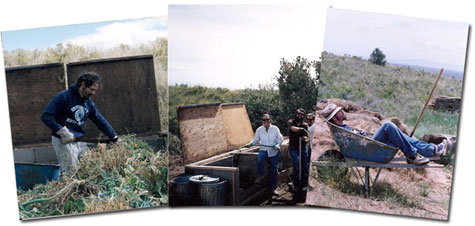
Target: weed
424	189
127	175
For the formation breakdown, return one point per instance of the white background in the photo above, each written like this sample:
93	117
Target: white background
32	14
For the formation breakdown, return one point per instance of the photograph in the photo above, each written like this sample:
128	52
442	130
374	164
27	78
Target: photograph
240	93
388	111
267	112
88	116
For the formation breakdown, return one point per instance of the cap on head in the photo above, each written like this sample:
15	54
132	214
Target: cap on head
330	111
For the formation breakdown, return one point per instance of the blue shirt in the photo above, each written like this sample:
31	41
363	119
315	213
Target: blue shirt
69	109
349	128
270	137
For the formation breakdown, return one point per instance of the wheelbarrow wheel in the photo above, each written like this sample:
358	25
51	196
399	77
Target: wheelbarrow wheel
332	175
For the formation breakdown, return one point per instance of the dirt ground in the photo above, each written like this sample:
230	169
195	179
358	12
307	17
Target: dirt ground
419	193
411	192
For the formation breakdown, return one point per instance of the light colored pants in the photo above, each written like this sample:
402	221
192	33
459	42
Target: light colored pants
68	154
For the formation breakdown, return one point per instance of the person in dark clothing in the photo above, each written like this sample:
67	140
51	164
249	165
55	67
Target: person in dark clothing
298	138
65	115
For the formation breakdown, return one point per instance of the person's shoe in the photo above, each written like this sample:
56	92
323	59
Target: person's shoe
441	148
417	159
259	179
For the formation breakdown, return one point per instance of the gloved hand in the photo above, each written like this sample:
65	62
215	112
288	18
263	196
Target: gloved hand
116	140
248	145
277	146
66	136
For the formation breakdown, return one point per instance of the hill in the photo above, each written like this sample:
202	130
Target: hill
393	90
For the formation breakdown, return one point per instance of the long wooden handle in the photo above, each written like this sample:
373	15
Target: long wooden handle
427	101
92	140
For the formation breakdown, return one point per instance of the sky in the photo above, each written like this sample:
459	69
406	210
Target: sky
406	40
100	35
240	46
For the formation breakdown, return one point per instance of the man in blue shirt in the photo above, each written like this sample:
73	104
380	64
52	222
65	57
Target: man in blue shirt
66	114
415	151
270	139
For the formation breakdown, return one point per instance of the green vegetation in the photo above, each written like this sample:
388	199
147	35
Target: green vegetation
66	53
296	89
123	176
397	91
377	57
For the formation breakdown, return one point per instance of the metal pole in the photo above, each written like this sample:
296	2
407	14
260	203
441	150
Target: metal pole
366	184
300	159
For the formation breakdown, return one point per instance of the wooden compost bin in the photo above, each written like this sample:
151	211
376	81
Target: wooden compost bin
30	89
211	134
128	96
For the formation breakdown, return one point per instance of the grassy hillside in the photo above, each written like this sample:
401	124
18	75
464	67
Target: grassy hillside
391	90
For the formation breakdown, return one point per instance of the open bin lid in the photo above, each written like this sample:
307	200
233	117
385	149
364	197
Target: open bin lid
210	129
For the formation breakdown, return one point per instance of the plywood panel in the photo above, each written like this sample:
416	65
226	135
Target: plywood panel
202	131
237	125
128	95
30	89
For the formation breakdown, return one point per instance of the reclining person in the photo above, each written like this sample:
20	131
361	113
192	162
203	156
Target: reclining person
415	151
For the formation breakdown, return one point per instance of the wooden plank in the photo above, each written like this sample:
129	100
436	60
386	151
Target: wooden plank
237	125
202	131
128	96
29	91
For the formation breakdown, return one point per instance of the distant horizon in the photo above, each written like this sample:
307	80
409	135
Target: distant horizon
404	40
448	72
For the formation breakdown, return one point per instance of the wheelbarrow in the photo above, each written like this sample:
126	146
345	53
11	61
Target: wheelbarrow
362	151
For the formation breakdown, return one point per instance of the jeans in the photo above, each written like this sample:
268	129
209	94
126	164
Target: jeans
391	135
274	161
68	154
294	153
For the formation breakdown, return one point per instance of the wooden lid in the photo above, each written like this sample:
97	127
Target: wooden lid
210	129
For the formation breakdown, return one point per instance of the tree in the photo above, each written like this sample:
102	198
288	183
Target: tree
297	88
377	57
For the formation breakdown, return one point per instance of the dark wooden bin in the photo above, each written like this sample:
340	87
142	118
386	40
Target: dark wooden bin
211	135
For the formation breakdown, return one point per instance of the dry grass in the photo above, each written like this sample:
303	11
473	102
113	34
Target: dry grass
122	176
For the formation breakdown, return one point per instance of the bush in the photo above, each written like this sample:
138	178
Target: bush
377	57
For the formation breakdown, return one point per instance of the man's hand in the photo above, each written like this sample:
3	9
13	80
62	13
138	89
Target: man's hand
303	132
66	136
116	140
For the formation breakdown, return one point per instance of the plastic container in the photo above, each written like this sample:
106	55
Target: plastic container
181	193
28	175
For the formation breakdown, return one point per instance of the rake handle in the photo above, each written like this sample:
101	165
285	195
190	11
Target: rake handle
427	101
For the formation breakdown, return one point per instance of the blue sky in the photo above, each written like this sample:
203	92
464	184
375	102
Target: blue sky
99	35
406	40
239	46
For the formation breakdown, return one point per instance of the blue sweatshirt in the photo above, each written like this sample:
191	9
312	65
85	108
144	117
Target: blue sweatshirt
69	109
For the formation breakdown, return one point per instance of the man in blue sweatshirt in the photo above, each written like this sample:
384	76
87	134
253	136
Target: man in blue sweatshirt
67	113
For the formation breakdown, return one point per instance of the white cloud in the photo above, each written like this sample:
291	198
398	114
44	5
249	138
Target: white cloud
240	46
131	33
